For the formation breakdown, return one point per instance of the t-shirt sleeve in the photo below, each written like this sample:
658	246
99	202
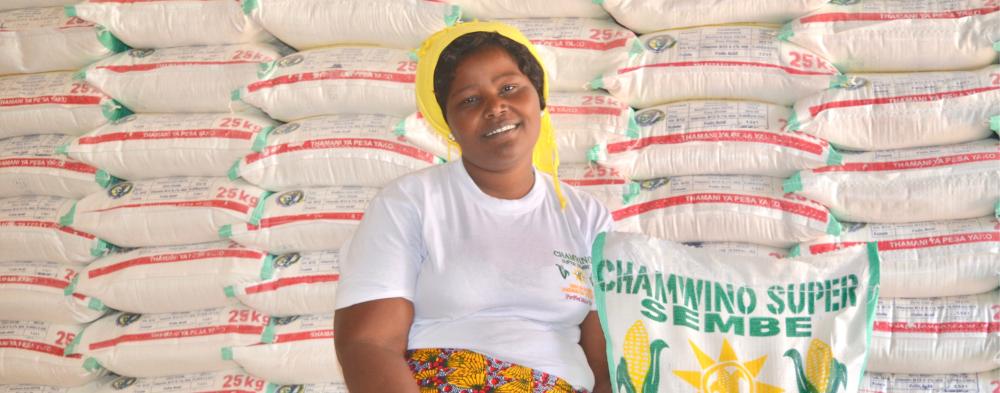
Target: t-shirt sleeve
384	256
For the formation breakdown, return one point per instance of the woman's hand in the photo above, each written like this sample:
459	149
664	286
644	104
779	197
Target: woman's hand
594	347
371	340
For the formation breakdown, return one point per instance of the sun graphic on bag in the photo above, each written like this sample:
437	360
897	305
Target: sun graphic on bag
727	374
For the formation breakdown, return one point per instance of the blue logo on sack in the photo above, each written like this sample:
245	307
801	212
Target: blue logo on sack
119	190
290	198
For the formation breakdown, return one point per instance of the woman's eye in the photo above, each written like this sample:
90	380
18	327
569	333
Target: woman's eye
508	88
469	100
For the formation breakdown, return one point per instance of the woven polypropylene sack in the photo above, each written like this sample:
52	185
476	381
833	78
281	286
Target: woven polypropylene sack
311	219
896	111
690	64
234	380
147	146
30	230
53	103
927	259
342	150
335	80
44	39
935	383
35	291
172	23
157	345
417	132
302	284
490	9
582	120
714	137
678	319
717	208
172	279
646	16
909	185
936	335
335	387
195	79
29	165
16	4
165	212
92	387
888	35
740	249
295	350
31	352
609	187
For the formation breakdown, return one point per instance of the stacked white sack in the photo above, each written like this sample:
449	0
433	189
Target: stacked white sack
17	4
36	40
165	211
172	279
92	387
492	9
309	24
30	165
741	249
293	350
339	150
936	335
889	35
714	137
582	120
31	352
172	23
30	230
647	16
926	259
233	380
741	62
146	146
716	208
336	80
302	284
36	291
416	131
157	345
610	188
930	383
53	103
896	111
908	185
196	79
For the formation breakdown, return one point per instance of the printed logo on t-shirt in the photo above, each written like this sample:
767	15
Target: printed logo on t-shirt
575	272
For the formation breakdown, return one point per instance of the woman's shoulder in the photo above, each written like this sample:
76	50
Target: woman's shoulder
418	185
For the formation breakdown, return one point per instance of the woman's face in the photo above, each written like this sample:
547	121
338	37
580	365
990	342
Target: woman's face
493	111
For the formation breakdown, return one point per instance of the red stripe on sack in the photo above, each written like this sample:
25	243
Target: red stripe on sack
938	241
134	1
343	143
282	220
324	334
703	198
154	66
290	281
175	258
882	16
55	163
771	138
725	63
937	327
831	247
54	99
584	110
32	346
166	134
593	182
911	164
178	333
34	280
216	203
582	44
817	109
45	225
332	75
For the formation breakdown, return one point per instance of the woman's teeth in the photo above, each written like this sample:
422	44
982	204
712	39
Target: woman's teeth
501	130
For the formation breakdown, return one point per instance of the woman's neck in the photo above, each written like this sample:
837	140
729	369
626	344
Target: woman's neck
512	183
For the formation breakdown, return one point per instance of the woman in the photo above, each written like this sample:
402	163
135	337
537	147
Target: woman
474	275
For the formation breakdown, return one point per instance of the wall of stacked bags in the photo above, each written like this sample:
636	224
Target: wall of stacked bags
178	177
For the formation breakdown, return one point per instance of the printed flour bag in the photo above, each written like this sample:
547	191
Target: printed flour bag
741	62
302	284
172	279
984	382
30	230
293	350
583	48
31	352
341	150
926	259
29	165
312	219
487	9
646	16
165	212
896	111
420	134
17	4
740	249
714	137
53	103
608	186
582	120
157	345
195	79
172	23
92	387
335	80
308	24
909	185
684	320
36	291
146	146
936	335
36	40
889	35
717	208
233	380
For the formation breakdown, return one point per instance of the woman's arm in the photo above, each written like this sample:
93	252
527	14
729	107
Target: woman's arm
592	341
371	340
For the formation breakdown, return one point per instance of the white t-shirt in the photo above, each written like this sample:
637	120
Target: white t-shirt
506	278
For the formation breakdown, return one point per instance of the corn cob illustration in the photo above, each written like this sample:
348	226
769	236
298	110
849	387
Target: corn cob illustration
639	368
821	373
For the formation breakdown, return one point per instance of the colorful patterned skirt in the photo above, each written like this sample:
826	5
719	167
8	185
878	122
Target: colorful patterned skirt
461	371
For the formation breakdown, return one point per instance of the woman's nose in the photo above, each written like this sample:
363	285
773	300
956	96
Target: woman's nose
495	106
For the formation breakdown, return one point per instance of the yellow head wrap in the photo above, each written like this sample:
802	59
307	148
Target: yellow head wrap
545	156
